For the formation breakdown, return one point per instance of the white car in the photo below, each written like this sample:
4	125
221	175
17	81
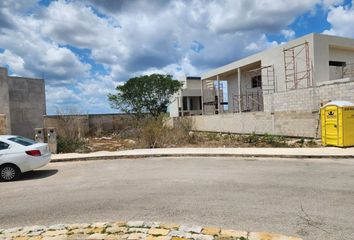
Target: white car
19	155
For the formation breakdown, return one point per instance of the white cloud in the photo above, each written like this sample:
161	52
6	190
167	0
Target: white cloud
270	15
18	6
35	54
341	19
288	34
100	86
140	37
224	28
57	95
77	25
331	3
177	70
261	44
16	62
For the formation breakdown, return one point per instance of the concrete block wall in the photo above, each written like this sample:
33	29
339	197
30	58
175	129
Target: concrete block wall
309	99
4	101
343	90
234	122
86	125
291	113
287	124
68	125
300	124
294	100
27	105
108	122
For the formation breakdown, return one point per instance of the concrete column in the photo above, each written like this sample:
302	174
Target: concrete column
202	95
218	93
182	105
188	103
239	88
178	99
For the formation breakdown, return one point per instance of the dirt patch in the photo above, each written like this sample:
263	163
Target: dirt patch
155	133
110	143
114	142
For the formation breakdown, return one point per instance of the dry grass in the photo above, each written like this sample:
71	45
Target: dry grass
154	133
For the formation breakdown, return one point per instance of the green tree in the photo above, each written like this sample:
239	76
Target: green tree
145	94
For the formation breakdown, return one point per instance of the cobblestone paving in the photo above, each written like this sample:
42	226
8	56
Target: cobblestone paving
133	230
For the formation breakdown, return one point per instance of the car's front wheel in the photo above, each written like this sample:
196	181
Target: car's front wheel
9	172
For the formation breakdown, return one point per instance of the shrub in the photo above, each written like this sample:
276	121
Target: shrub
274	141
301	142
69	145
153	133
268	138
265	140
253	138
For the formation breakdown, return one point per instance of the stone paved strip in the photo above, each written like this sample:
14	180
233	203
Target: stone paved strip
133	230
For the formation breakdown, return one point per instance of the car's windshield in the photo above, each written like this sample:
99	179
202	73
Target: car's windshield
22	141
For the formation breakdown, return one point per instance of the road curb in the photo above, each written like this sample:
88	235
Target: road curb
113	157
134	230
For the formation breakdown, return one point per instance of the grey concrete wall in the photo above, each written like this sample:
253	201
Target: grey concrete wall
88	124
3	125
27	105
286	124
292	113
4	101
108	122
68	125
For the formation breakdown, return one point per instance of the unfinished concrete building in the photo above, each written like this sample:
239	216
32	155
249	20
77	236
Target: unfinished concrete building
280	90
22	104
188	101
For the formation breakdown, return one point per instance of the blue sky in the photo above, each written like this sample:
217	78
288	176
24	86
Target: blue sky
84	49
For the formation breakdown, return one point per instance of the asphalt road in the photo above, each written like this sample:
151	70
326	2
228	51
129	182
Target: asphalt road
313	199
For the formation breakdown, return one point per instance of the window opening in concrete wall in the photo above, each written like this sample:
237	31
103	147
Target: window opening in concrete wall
266	77
337	64
257	81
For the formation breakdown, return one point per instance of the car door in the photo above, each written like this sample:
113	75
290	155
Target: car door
4	150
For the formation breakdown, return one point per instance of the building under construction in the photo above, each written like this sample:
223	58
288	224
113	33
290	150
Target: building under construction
279	90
